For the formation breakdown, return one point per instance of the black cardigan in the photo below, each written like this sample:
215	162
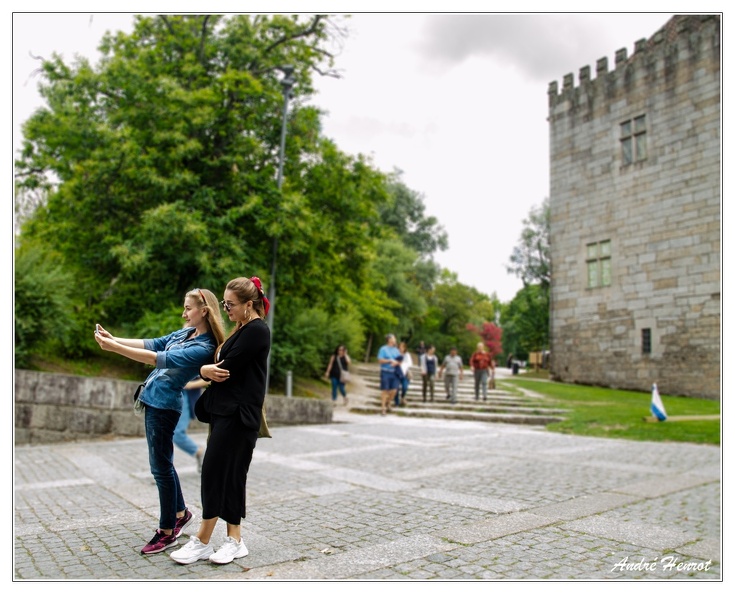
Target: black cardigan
245	355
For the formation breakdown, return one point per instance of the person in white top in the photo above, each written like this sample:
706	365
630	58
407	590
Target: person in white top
406	365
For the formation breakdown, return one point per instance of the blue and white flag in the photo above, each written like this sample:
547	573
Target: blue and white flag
657	407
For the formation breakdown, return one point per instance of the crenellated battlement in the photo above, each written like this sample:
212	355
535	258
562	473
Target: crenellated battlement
635	169
677	41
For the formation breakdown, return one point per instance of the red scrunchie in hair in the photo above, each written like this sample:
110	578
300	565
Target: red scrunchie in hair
259	286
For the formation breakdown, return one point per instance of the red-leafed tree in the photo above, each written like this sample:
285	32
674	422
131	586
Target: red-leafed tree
491	335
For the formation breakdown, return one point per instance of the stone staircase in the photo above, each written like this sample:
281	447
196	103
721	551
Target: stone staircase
501	406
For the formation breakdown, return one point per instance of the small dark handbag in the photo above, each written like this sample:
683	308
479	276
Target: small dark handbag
138	406
202	407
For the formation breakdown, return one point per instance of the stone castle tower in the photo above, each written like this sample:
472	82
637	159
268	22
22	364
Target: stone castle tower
635	211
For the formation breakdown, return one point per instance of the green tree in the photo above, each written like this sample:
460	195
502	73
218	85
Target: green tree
405	213
404	265
158	167
531	257
451	307
41	285
526	320
182	118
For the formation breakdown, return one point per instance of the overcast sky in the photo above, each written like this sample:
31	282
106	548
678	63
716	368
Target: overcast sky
456	102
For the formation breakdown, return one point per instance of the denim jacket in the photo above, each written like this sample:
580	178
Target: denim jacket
177	362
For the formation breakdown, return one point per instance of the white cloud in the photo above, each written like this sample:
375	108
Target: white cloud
535	44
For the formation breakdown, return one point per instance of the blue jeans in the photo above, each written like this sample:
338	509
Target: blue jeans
402	389
338	385
159	433
181	438
481	376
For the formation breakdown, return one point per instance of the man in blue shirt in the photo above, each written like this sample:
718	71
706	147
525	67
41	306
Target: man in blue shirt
387	357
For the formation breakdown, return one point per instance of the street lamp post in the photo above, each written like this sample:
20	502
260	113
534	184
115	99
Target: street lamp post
287	82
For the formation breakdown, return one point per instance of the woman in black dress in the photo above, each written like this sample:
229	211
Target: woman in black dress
232	405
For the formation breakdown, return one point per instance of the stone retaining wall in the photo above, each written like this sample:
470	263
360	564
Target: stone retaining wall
51	407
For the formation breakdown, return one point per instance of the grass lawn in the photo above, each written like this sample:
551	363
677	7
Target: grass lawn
603	412
102	364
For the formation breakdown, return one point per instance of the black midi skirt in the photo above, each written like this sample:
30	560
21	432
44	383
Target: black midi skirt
225	468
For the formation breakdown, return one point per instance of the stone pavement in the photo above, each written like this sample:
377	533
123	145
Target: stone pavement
388	498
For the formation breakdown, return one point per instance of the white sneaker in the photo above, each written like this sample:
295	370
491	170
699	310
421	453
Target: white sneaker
194	550
229	551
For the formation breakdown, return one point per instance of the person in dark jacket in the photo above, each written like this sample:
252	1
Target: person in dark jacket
233	406
429	364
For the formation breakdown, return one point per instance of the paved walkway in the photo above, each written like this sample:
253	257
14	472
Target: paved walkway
389	498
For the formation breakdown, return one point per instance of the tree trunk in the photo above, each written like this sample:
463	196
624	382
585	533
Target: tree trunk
368	347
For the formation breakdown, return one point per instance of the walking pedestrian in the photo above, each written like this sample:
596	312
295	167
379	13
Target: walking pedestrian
481	363
177	358
338	370
405	379
387	357
452	368
233	407
429	364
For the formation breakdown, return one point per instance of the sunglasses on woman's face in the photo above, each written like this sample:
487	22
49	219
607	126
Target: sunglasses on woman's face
227	305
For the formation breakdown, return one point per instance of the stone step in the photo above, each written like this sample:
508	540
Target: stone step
464	415
472	406
467	385
483	407
500	407
439	389
498	395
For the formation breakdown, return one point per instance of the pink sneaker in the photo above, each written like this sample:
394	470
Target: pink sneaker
183	522
160	542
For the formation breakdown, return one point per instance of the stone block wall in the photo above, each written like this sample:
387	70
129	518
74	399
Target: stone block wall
51	407
661	214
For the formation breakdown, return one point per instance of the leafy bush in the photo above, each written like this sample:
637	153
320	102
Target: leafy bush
305	345
43	303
